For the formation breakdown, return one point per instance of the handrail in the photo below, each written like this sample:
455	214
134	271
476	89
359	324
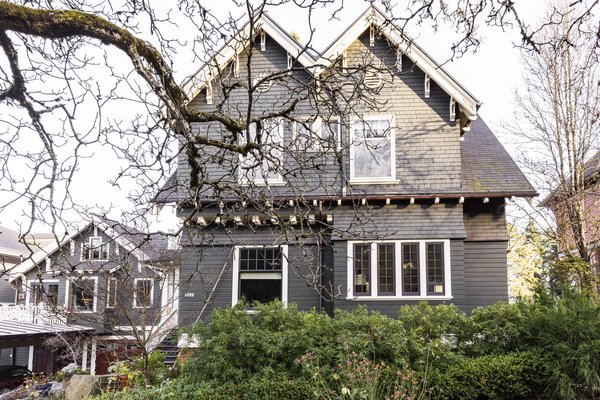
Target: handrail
215	285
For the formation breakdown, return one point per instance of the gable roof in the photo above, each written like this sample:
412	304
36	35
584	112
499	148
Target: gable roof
372	15
115	230
10	244
591	175
487	168
194	84
468	104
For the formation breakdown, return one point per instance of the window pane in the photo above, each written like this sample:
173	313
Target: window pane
260	290
410	268
52	295
264	259
83	296
373	156
262	165
143	293
435	268
386	267
362	266
36	292
112	293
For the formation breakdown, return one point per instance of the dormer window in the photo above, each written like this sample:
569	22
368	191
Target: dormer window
94	250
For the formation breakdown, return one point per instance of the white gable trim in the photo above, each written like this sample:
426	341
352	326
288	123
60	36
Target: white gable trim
372	15
237	44
53	247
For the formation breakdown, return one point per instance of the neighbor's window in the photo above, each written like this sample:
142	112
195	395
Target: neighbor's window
372	155
261	274
262	166
95	250
83	296
37	294
53	295
143	293
111	293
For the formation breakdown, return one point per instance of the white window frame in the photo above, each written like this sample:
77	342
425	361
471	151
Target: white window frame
373	180
261	180
373	273
235	283
69	295
89	244
135	282
109	285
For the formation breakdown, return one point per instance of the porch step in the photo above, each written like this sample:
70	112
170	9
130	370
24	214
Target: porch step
169	347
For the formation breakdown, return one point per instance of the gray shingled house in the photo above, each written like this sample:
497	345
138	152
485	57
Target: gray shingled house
373	181
114	282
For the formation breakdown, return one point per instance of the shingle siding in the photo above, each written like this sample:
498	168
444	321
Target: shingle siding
486	279
429	161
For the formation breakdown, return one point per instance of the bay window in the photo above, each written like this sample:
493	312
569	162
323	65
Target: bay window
372	149
399	269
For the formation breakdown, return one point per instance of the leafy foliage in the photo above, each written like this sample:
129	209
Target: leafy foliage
548	347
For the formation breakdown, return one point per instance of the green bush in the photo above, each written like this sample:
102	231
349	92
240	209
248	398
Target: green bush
547	348
494	377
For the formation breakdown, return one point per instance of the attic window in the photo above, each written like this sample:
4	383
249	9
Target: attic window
263	86
452	109
373	79
372	35
209	93
427	86
236	66
399	60
263	41
344	62
94	250
290	61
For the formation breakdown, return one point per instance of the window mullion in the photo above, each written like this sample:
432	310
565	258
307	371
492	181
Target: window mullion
373	267
422	268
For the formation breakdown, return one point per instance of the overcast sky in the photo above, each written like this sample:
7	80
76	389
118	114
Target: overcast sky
491	74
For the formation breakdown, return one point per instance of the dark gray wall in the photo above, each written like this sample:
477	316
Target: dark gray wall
486	279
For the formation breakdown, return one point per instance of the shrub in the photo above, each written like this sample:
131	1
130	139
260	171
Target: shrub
494	377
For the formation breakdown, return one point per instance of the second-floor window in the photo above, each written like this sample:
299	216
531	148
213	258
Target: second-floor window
94	250
143	293
111	293
262	166
83	295
372	149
